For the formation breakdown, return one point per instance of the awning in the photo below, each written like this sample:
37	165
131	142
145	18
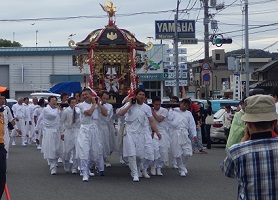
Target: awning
69	87
3	89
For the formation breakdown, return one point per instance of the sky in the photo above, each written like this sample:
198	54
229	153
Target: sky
22	21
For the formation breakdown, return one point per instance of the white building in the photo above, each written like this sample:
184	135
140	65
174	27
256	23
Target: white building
27	69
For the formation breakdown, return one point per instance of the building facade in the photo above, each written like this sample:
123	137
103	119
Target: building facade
27	69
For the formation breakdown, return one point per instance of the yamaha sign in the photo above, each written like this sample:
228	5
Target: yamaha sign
165	29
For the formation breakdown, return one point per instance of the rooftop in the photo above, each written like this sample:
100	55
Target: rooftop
37	51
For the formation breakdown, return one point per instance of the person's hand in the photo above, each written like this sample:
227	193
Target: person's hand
18	132
159	136
195	139
128	100
62	137
59	107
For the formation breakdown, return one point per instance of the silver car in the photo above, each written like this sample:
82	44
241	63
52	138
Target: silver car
217	129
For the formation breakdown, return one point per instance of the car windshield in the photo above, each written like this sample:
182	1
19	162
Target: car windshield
219	113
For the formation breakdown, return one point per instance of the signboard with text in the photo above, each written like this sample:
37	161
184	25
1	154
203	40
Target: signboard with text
172	51
172	59
165	29
174	82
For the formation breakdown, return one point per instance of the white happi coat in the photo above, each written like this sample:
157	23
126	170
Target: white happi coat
119	136
32	109
137	130
8	117
161	147
181	124
27	118
88	139
50	119
37	113
107	130
20	113
71	132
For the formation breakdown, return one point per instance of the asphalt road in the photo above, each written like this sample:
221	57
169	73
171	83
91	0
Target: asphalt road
29	178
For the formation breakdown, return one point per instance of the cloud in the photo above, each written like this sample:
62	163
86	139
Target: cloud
141	25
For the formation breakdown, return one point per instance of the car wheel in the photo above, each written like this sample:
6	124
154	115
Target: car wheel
215	140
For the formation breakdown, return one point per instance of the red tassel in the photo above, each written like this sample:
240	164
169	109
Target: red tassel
7	192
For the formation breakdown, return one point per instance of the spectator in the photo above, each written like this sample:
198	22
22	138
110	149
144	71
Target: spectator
208	112
274	93
227	120
195	110
254	162
237	128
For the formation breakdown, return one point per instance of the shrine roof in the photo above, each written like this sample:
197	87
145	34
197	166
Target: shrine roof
110	36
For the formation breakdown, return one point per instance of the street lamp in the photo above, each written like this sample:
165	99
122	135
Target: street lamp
37	38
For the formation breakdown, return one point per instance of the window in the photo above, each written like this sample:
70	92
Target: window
74	61
217	56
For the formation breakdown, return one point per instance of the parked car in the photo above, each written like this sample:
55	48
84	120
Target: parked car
11	102
217	129
216	105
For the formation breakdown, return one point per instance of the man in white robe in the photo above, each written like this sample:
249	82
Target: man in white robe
161	147
88	141
20	114
37	112
136	145
69	120
51	147
107	131
32	108
28	122
181	124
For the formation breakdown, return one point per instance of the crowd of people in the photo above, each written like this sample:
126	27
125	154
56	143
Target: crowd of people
83	131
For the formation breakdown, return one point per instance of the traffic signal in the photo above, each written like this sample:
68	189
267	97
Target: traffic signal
166	75
219	41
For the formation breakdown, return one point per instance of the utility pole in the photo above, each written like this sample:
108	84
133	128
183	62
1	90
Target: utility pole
246	51
206	39
176	43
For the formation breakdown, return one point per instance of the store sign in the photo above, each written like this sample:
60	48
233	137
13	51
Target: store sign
165	29
151	77
173	82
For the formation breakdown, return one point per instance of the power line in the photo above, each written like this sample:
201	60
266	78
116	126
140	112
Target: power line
261	26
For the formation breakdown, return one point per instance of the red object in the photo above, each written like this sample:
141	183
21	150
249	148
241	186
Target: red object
131	92
217	125
203	151
3	89
194	107
7	192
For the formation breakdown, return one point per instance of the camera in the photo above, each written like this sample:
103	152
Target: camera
64	105
96	99
133	101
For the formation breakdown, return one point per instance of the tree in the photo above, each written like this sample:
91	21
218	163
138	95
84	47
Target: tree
8	43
